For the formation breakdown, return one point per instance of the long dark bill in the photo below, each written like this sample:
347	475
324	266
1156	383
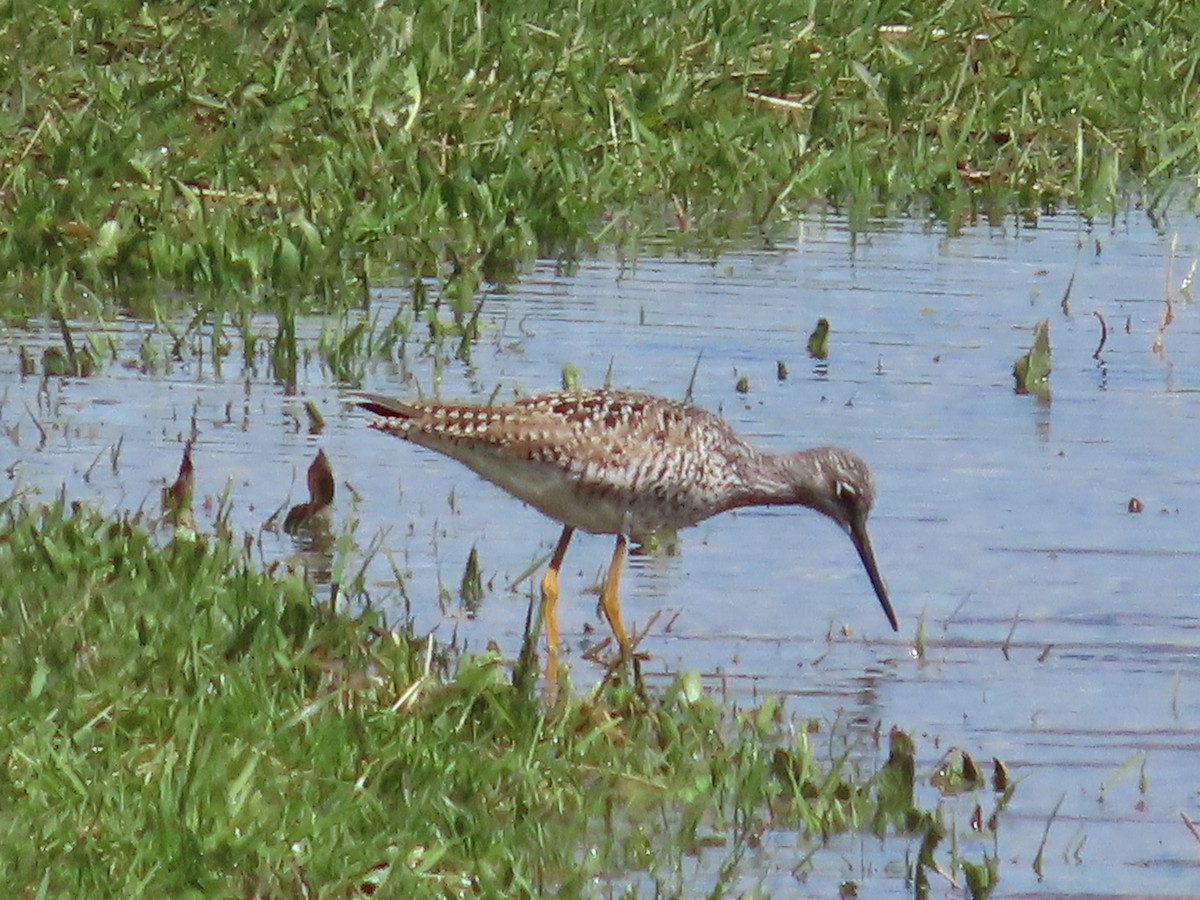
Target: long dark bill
862	543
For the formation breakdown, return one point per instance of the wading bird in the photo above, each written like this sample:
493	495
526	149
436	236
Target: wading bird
630	464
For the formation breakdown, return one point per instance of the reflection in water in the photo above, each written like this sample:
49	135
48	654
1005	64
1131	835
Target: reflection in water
657	573
1061	630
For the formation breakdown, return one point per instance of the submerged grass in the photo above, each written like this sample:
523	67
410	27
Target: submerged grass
177	724
299	146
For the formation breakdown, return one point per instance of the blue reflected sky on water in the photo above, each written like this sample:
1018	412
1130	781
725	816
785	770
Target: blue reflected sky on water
1062	632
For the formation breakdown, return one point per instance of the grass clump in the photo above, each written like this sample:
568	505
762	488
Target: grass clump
177	724
306	147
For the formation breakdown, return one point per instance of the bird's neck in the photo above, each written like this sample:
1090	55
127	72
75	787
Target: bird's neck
778	479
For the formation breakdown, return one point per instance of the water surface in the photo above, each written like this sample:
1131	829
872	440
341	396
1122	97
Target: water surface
1062	632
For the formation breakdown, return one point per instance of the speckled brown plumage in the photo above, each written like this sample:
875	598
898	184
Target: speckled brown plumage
627	463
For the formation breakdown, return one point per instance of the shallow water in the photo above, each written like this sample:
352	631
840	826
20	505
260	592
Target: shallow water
1062	631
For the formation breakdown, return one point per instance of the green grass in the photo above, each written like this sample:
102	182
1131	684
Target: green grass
310	148
177	724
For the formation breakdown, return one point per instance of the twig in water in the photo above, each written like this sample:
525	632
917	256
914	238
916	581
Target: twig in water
1191	826
1103	334
1007	645
1066	298
1037	860
1168	313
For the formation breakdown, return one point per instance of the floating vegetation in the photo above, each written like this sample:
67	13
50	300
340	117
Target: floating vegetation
818	341
177	498
307	516
470	589
1031	371
570	377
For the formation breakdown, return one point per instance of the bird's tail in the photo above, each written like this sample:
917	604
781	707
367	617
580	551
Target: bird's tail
387	407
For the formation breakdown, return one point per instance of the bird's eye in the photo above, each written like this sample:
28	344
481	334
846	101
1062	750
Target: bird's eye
846	492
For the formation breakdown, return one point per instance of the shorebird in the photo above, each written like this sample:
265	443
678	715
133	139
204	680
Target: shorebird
630	464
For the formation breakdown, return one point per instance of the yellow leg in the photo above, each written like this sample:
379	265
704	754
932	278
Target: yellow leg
550	605
609	601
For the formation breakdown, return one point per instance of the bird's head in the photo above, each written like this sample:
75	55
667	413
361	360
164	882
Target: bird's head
838	483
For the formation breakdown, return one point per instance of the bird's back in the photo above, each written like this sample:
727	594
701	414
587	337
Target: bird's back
605	461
